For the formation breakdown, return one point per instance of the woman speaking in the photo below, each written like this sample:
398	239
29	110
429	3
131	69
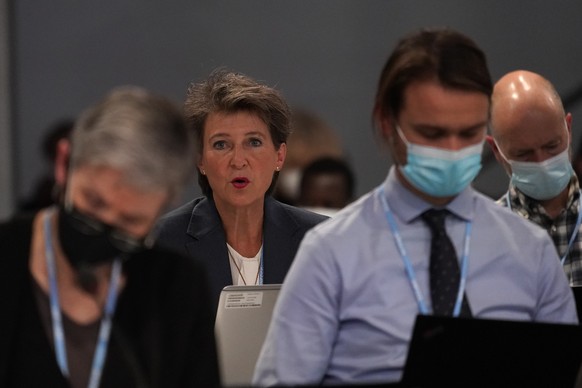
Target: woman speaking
240	233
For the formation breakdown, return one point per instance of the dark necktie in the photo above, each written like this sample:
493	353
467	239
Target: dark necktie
444	267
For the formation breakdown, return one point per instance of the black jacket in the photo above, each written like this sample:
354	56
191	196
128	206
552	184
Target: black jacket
195	229
162	335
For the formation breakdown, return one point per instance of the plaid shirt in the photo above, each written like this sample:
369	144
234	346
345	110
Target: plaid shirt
560	229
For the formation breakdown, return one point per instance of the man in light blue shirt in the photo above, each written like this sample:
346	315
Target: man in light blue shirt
347	307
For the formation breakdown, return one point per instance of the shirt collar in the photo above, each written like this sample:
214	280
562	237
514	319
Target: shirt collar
410	206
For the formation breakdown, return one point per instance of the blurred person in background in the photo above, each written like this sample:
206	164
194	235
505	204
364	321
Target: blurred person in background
92	301
327	185
311	138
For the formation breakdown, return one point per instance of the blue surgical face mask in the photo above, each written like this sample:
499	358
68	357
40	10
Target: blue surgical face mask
541	180
439	172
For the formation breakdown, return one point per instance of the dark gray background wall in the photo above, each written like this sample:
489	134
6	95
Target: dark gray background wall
6	170
323	55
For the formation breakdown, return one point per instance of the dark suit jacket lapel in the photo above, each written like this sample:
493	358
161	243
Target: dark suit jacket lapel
208	244
280	242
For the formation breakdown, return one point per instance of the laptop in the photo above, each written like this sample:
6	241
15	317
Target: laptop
242	320
447	351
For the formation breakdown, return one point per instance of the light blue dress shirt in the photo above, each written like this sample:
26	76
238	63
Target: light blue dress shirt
346	309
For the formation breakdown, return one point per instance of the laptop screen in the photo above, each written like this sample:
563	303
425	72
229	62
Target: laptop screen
448	351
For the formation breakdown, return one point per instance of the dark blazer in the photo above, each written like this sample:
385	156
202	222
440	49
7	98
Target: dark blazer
162	334
196	229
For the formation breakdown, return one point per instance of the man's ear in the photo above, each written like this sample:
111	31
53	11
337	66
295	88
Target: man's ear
494	148
500	159
62	159
382	123
387	129
568	119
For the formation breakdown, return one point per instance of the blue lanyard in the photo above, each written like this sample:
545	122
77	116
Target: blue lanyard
261	265
56	316
574	232
408	265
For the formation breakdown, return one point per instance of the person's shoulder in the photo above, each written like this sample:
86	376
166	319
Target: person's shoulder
18	223
356	217
487	204
503	216
174	280
181	212
301	217
16	232
15	243
161	260
179	218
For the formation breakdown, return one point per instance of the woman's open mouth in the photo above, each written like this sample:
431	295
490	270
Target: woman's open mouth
240	182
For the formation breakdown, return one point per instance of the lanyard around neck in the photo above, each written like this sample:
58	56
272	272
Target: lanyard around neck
574	232
261	264
56	315
408	264
259	279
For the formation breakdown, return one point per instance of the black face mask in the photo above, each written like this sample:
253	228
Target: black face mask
87	242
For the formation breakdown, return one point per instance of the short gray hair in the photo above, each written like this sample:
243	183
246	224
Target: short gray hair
141	134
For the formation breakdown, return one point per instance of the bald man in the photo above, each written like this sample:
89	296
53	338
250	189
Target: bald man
531	137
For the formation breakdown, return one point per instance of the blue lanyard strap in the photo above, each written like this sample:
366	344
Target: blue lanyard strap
261	265
56	316
574	232
408	264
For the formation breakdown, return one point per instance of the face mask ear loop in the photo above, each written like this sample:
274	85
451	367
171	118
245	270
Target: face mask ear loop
510	172
500	153
567	134
402	137
404	140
